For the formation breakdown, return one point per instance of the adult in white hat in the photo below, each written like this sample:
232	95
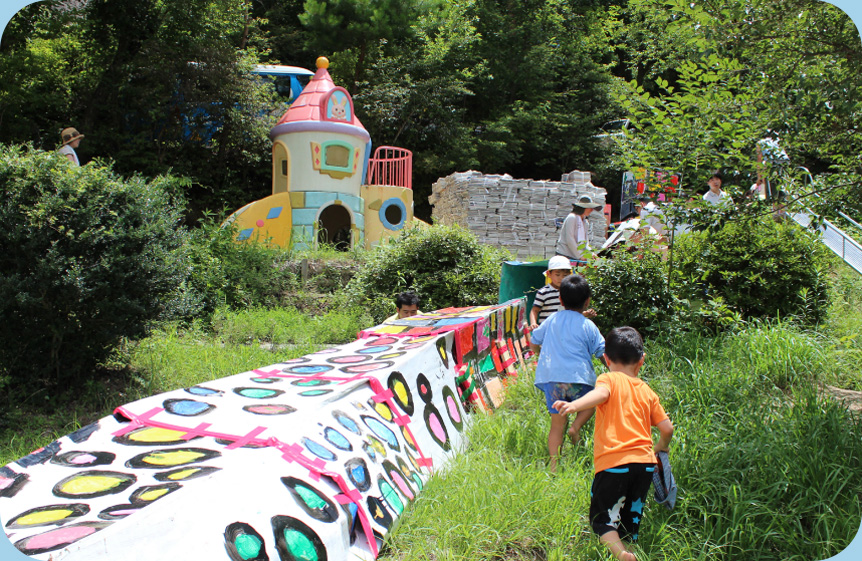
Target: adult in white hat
71	139
575	230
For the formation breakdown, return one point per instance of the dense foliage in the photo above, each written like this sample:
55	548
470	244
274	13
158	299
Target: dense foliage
87	259
446	266
631	288
760	268
219	272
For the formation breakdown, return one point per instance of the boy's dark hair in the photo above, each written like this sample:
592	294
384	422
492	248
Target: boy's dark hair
574	292
717	176
624	345
408	298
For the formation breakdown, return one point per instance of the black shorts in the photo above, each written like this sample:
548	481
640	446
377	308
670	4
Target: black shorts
617	499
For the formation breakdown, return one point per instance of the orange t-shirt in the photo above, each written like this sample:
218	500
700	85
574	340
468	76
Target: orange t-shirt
624	422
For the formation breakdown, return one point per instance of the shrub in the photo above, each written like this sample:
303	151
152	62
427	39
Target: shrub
86	258
219	272
631	289
759	267
445	265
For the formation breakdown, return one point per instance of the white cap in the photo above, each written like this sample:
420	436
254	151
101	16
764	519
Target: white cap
558	262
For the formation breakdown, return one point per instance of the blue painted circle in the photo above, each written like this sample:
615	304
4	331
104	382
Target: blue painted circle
394	201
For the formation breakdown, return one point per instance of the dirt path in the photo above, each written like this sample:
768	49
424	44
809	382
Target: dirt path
852	399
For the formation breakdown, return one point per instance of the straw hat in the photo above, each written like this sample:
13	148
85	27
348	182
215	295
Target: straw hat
70	134
586	201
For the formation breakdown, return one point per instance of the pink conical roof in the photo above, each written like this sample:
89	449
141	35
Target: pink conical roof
308	106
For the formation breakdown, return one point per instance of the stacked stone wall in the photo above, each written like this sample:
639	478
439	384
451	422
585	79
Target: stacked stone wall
517	214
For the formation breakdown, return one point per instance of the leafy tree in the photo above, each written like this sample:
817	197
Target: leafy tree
357	25
154	85
87	258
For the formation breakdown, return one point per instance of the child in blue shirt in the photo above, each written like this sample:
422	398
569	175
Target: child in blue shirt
568	342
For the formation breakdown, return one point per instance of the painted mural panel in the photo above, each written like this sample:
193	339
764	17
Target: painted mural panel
312	458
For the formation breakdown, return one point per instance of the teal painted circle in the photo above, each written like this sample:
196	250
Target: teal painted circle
387	204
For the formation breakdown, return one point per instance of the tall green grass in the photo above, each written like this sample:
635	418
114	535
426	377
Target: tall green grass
768	467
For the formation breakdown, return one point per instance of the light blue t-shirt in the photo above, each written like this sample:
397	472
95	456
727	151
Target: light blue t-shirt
569	342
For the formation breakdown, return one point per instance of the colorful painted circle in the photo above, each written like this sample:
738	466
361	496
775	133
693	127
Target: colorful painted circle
424	387
436	427
375	349
149	493
348	359
318	450
337	439
401	392
244	543
308	369
379	512
311	500
314	393
269	409
49	515
400	480
93	483
347	422
366	367
357	472
311	382
200	390
118	512
79	459
382	341
258	393
58	538
382	431
296	541
150	436
187	407
185	473
453	408
171	457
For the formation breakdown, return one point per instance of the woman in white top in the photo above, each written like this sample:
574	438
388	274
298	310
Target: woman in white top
575	230
71	139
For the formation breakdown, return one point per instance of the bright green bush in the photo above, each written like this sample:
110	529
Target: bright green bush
219	272
631	289
759	267
445	265
86	258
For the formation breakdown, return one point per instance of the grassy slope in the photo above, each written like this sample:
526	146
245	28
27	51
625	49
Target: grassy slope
768	467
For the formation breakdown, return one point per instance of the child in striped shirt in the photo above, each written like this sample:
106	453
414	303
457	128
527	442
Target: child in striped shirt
548	297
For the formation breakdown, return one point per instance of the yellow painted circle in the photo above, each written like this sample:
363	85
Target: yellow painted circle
88	484
44	517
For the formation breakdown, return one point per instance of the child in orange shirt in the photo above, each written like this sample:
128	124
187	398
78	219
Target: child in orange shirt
624	455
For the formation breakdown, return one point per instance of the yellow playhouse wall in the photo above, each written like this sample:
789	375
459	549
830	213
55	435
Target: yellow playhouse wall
375	197
257	221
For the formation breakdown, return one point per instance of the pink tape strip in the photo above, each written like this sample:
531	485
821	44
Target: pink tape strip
246	439
199	430
383	396
137	421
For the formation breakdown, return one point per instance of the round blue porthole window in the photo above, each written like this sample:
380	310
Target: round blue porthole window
393	213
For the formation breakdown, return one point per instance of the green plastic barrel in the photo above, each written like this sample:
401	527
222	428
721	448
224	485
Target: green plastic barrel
520	278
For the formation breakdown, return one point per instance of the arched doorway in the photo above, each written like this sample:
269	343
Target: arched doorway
334	227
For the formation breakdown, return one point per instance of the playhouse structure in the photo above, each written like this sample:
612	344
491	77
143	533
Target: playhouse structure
326	187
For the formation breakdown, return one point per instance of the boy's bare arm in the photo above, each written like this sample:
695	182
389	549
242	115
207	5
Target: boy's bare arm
535	348
534	316
666	429
588	401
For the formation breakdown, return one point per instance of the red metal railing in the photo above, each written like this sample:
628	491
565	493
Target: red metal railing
391	166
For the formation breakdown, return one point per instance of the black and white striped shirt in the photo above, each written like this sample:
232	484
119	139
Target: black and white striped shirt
548	302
